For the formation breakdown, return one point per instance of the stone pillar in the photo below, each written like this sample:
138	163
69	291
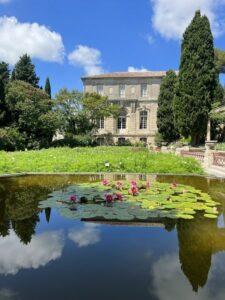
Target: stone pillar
208	159
209	131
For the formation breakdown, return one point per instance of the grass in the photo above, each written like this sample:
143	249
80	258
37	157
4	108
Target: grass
220	147
99	159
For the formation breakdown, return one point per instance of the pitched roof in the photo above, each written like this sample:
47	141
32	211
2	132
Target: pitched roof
128	75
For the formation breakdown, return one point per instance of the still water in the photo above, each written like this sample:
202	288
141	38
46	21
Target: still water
45	256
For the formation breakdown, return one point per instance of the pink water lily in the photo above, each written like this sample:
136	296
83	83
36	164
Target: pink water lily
119	184
133	183
73	199
105	182
109	198
134	190
118	196
148	184
173	185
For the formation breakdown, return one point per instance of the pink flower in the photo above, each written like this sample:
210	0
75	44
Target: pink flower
148	184
73	199
134	190
118	196
105	182
133	183
119	184
173	185
108	198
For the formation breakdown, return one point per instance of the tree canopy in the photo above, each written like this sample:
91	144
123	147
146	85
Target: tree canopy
196	81
165	115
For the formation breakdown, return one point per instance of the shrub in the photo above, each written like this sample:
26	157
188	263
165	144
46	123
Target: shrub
11	139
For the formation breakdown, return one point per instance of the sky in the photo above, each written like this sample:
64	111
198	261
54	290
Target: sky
68	39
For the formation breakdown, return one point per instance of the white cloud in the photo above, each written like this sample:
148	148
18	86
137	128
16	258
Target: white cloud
133	69
169	282
86	236
42	249
4	1
30	38
87	58
170	18
7	294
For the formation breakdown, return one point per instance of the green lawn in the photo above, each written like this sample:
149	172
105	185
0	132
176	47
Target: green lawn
99	159
220	147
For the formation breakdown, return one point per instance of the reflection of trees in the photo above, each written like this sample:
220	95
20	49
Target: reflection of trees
198	240
24	229
4	220
48	214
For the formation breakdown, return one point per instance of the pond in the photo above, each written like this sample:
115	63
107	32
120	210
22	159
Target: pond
44	255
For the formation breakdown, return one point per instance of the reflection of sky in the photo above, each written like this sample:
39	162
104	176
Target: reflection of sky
7	294
44	247
169	282
88	234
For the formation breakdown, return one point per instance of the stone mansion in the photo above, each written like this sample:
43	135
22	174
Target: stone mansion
137	93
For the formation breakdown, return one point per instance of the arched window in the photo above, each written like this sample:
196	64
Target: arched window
122	121
143	119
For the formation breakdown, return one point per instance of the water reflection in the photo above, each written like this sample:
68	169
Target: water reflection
43	248
88	234
195	264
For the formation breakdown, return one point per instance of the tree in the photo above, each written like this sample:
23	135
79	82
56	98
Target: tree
220	60
165	115
4	79
25	71
196	81
48	88
97	106
31	112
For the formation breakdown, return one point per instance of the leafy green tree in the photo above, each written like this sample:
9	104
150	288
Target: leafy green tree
48	87
165	116
31	112
25	71
4	79
70	108
196	81
97	106
220	60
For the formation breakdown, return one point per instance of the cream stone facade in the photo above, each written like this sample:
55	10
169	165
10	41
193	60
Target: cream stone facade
137	93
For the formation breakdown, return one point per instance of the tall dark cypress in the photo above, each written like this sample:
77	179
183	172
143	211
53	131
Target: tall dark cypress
196	81
165	116
25	71
4	80
48	87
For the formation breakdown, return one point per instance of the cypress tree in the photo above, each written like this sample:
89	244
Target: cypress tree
25	71
4	80
48	88
196	81
165	117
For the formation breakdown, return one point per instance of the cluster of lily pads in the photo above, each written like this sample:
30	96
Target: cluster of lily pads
131	201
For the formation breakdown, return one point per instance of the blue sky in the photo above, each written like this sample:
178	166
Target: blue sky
71	38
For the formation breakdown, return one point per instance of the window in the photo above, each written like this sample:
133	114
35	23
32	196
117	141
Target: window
143	90
100	89
132	90
110	90
101	123
122	90
143	119
121	141
122	120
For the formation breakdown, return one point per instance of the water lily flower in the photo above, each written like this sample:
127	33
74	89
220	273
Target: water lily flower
134	190
173	185
108	198
119	184
118	196
148	184
105	182
107	165
73	199
133	183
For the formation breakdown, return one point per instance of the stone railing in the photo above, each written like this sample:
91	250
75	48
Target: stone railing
199	155
219	159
